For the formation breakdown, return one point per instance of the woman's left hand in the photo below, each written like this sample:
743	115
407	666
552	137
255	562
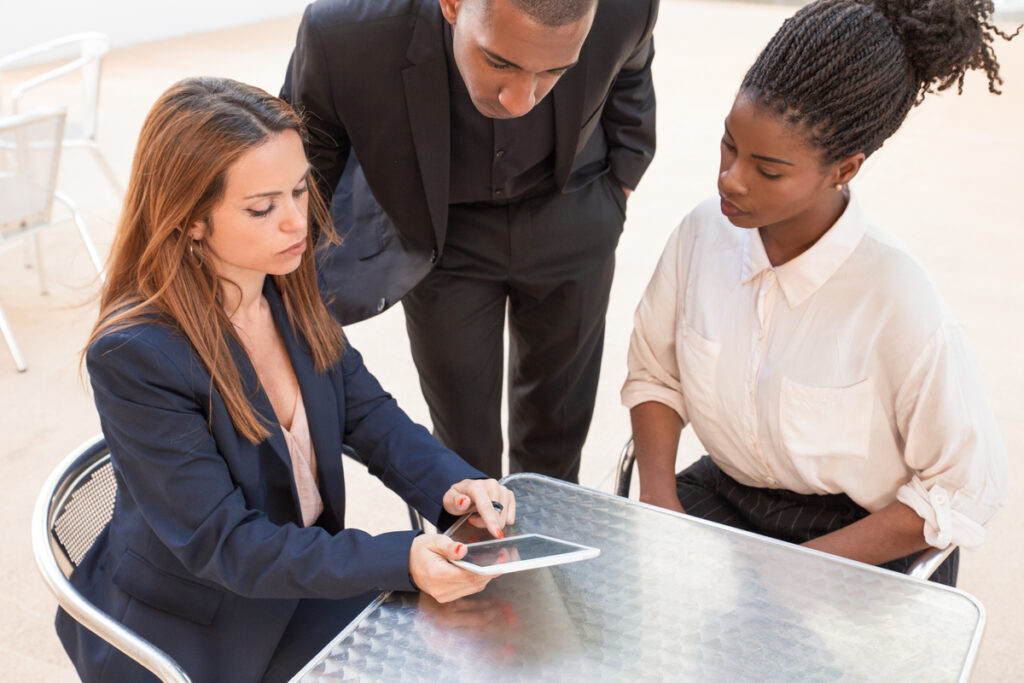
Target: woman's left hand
479	496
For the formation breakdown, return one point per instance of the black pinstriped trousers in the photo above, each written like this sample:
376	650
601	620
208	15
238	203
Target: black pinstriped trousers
707	492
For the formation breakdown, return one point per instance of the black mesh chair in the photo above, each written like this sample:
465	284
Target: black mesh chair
75	505
922	568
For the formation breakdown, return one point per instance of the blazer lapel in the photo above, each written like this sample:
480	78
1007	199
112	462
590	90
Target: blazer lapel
261	404
321	410
426	97
568	96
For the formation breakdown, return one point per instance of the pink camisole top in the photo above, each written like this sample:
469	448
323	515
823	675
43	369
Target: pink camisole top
300	448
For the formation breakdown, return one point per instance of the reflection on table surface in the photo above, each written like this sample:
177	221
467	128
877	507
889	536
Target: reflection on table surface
669	598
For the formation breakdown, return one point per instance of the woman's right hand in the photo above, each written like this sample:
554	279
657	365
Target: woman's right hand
435	575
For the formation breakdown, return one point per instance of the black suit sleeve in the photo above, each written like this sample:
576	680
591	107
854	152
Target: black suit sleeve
628	116
308	87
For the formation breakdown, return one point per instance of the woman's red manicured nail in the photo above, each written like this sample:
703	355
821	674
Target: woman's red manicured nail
462	501
501	534
458	549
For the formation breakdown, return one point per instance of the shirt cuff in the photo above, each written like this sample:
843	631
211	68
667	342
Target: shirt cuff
943	524
634	393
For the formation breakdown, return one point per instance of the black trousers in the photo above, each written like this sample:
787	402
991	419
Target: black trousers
707	492
547	261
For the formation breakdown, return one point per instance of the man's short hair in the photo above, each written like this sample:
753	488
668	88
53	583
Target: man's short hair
553	12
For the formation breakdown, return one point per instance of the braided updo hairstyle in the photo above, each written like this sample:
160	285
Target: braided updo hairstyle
848	71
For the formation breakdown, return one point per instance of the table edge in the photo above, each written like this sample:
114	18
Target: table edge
969	658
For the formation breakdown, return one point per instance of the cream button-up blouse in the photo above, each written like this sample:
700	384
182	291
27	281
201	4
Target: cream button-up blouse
839	371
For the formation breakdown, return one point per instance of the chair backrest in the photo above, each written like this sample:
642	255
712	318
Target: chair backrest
83	506
74	507
81	52
30	146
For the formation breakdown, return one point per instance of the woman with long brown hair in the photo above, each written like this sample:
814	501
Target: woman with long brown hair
226	392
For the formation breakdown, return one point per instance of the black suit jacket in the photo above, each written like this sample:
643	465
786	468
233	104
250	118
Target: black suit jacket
205	555
370	77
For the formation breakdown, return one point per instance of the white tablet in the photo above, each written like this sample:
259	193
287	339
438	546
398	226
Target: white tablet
516	553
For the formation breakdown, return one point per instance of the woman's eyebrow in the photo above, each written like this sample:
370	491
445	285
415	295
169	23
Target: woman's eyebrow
274	193
772	159
761	156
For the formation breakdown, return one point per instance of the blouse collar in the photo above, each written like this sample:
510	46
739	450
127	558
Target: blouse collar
804	275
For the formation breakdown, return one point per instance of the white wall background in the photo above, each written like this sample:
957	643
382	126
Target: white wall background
27	22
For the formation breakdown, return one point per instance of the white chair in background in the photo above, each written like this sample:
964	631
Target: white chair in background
29	159
82	52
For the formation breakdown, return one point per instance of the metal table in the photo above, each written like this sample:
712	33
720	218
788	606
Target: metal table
669	598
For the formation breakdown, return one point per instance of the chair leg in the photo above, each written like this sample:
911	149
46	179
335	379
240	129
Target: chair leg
40	264
90	247
624	473
5	328
415	519
108	170
30	259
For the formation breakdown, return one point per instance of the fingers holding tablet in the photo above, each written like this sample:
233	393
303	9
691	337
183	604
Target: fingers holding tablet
431	560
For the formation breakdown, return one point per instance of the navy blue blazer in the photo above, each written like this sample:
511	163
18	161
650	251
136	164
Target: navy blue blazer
205	555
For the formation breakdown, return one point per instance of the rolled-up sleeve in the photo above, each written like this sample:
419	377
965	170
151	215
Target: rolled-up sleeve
952	443
653	368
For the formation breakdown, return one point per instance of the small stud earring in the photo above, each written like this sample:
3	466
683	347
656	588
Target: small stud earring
839	187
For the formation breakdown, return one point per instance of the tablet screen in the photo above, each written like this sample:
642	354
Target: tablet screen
518	549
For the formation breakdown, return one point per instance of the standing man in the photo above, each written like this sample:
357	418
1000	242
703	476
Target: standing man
497	143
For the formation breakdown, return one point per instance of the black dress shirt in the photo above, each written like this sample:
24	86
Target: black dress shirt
496	159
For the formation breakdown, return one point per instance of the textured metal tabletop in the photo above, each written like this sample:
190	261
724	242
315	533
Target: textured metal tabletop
669	598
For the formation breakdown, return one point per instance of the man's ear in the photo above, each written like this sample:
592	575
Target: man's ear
450	10
848	168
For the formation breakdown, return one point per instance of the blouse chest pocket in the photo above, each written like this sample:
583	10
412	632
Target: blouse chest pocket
699	364
826	421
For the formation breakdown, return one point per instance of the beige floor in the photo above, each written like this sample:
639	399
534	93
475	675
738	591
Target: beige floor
948	185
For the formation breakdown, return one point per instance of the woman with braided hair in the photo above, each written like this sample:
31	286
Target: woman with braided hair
818	365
